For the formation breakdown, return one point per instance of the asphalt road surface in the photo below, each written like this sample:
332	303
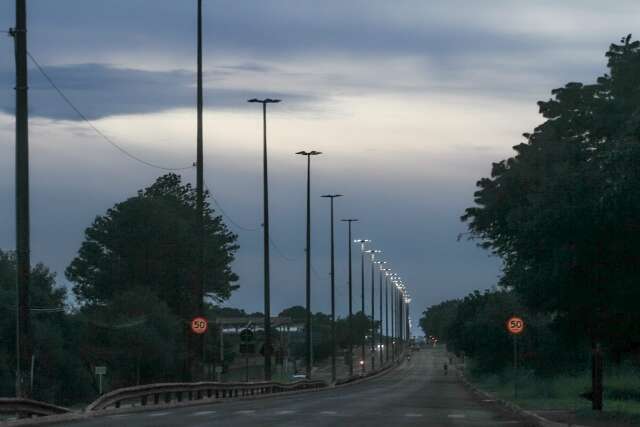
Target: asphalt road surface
414	394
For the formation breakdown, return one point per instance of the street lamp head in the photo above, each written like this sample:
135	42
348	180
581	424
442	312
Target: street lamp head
264	101
309	153
361	241
349	220
331	196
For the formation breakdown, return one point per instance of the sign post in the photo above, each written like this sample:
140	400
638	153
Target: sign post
100	371
247	346
515	326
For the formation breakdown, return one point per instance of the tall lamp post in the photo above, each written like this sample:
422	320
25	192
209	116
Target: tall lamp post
373	253
394	290
265	205
383	272
308	263
331	197
349	221
386	314
363	243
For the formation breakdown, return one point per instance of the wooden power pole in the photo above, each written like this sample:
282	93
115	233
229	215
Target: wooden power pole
23	267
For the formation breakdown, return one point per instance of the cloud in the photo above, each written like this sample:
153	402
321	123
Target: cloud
99	90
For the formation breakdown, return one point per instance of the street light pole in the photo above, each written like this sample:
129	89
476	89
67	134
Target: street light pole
393	321
363	243
373	253
308	344
349	221
386	316
265	206
333	292
382	271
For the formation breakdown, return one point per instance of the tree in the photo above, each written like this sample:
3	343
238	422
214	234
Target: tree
57	370
438	319
150	242
562	212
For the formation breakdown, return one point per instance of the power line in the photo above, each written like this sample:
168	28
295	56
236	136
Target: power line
95	129
224	213
274	246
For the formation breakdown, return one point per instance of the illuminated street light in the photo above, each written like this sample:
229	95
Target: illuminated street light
372	253
349	221
363	243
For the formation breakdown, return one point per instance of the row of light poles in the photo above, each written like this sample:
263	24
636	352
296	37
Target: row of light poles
395	295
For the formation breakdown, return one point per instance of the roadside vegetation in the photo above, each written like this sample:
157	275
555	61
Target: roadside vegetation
132	301
562	214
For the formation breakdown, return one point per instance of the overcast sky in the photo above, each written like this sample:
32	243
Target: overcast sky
410	102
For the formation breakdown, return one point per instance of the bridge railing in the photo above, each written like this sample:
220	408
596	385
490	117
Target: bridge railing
29	408
156	394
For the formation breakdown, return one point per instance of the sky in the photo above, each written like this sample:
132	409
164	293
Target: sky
410	102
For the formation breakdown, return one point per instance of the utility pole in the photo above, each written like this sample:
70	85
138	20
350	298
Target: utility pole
199	285
349	221
308	343
267	348
333	292
23	267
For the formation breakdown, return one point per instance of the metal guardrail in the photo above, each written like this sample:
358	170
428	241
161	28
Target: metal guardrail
29	408
156	394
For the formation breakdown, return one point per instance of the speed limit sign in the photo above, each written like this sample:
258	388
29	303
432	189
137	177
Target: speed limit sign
515	325
199	325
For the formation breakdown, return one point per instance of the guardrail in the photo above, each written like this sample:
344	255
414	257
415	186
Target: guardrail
29	408
156	394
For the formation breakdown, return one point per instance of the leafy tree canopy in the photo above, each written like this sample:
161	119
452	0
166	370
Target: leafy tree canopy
150	242
562	213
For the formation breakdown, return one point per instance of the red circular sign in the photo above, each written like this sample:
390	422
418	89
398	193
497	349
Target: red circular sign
515	325
199	325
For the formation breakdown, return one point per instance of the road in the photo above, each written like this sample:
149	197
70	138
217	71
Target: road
414	394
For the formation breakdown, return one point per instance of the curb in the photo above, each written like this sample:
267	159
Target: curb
530	416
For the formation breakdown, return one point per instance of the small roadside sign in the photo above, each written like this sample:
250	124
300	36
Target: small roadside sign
515	325
100	371
199	325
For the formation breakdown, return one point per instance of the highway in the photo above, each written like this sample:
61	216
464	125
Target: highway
415	394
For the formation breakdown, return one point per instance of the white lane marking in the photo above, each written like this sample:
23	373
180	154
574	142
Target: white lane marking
159	414
246	412
413	415
285	412
488	400
456	415
328	413
200	413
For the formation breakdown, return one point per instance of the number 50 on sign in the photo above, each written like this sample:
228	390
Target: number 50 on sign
199	325
515	325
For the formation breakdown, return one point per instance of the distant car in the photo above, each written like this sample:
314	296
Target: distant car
298	377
